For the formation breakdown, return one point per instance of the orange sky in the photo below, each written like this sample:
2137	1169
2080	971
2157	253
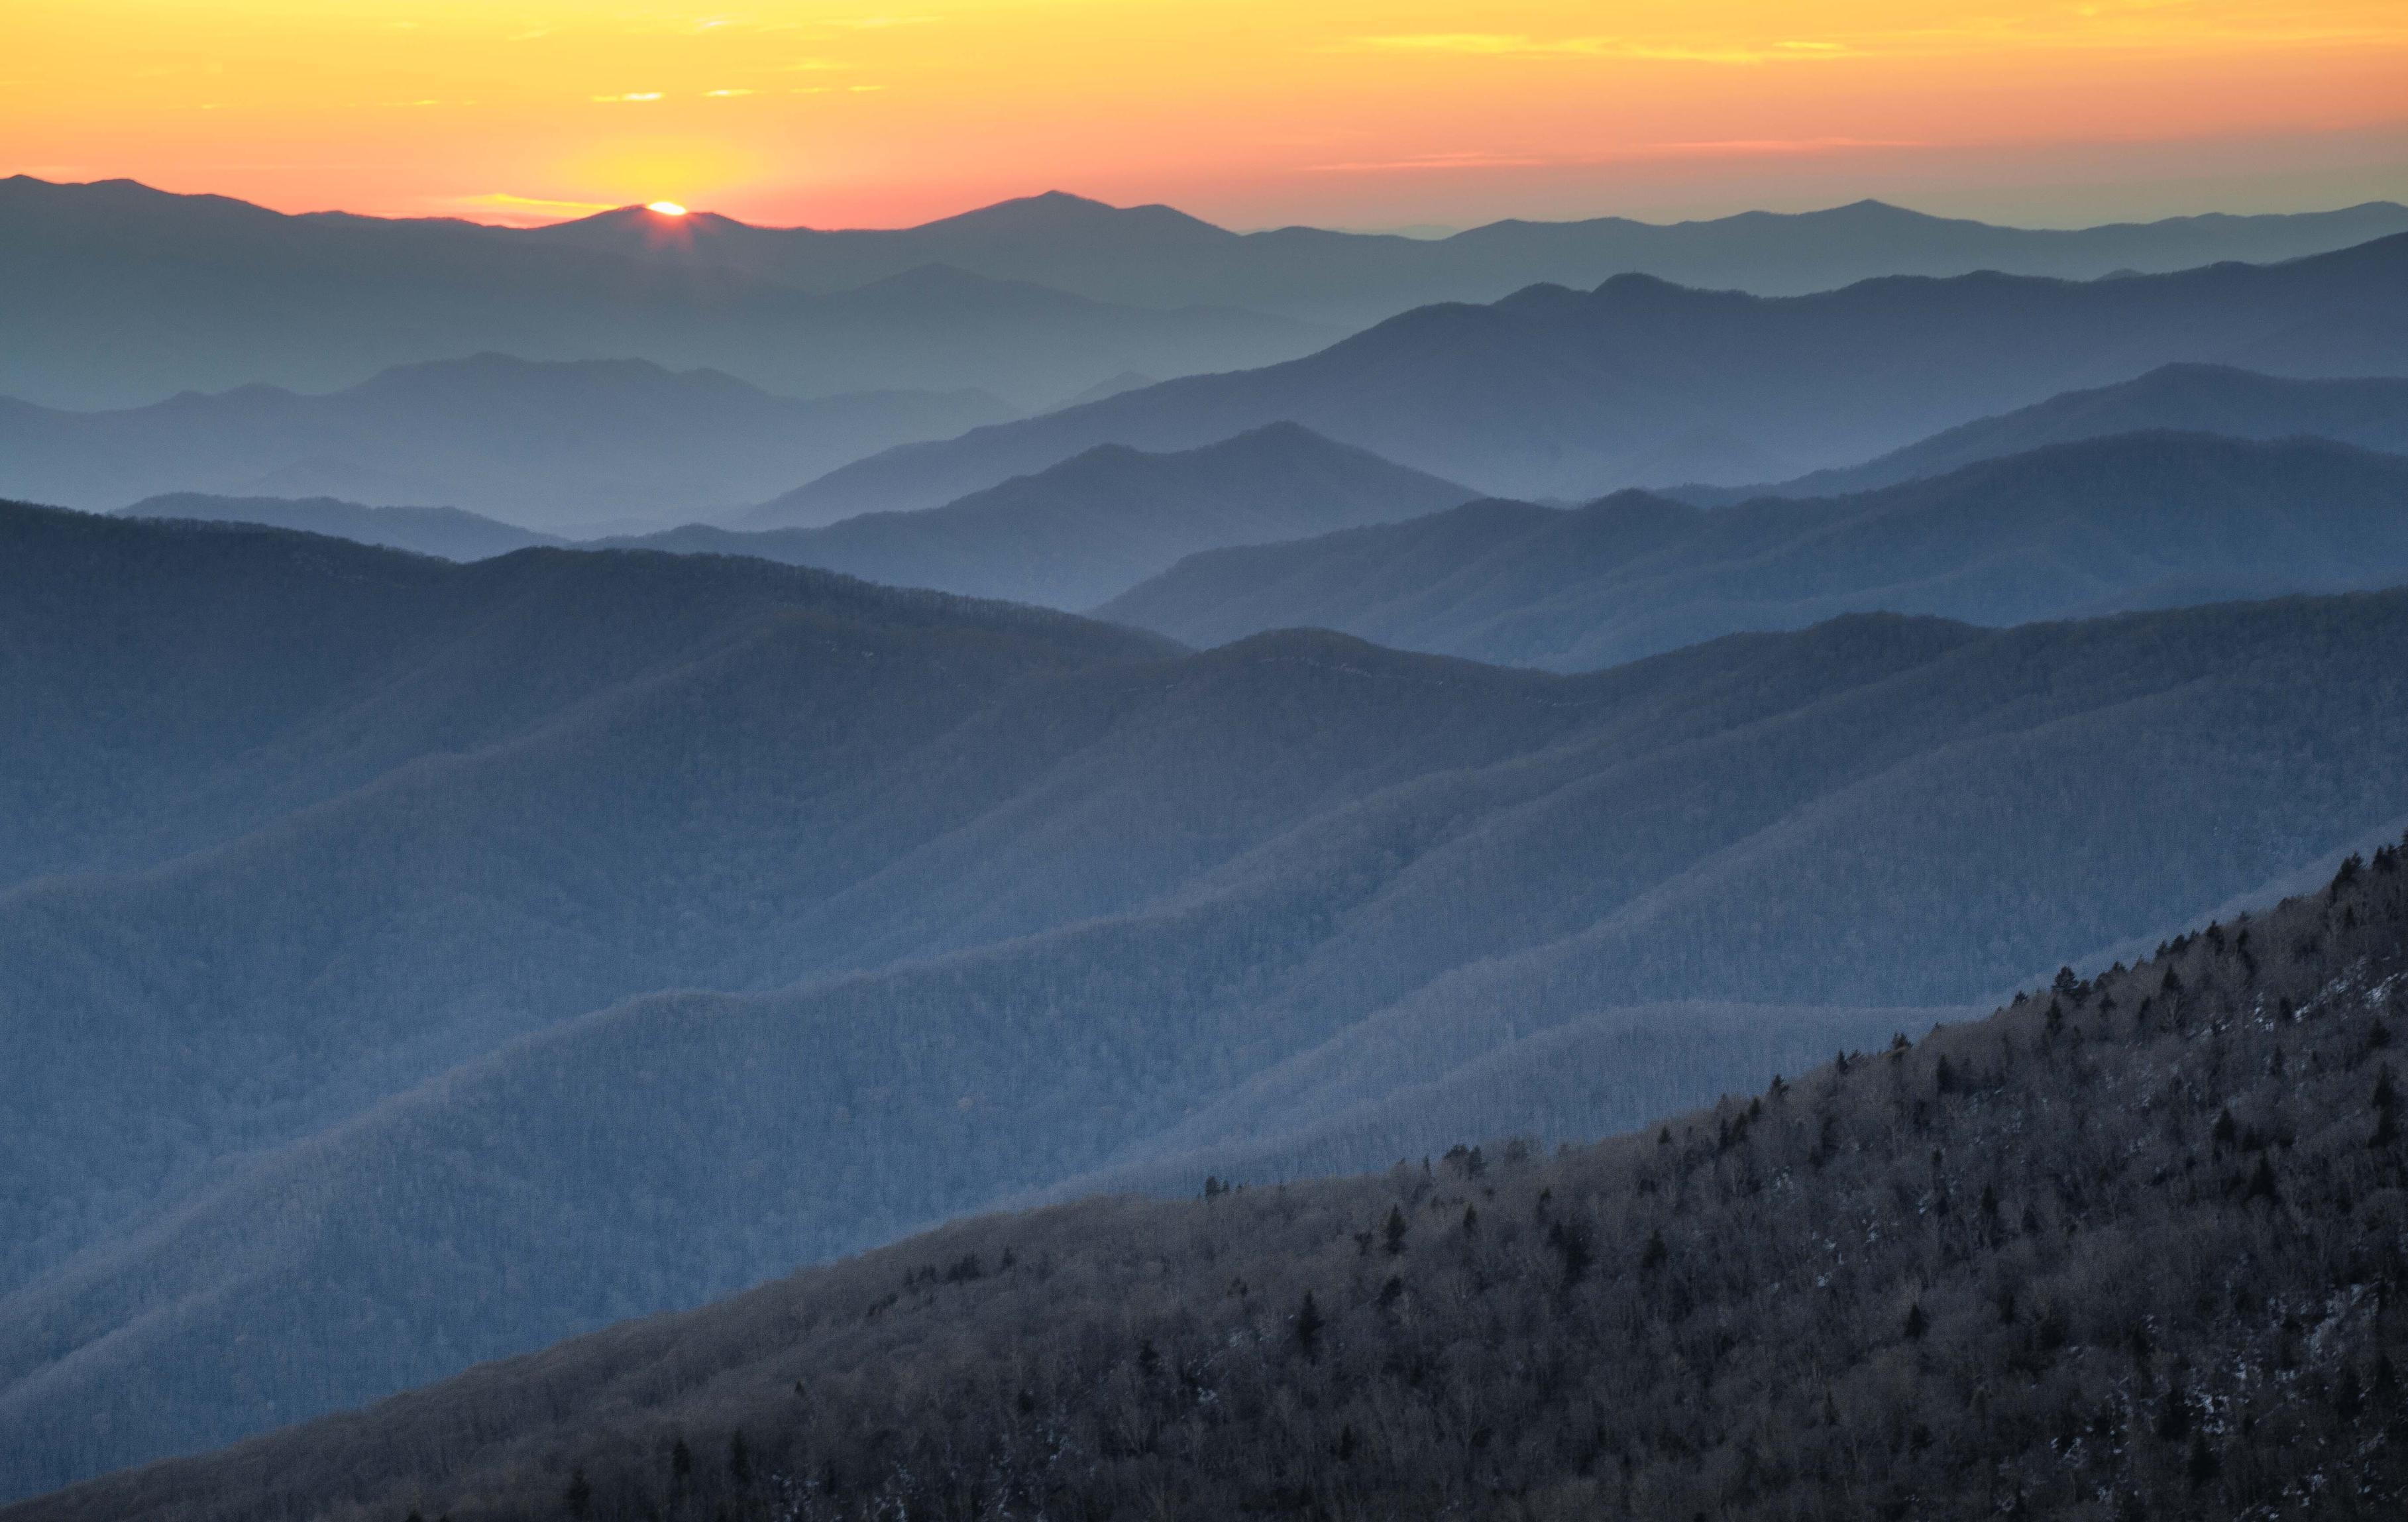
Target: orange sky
1247	111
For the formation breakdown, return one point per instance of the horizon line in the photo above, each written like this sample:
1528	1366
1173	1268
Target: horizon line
691	213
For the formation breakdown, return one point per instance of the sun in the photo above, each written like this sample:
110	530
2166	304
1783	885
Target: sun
666	209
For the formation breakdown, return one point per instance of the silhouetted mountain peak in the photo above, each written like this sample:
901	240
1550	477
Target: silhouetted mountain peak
644	219
1056	212
1872	212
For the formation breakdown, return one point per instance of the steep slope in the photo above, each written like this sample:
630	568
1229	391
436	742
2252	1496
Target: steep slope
1044	908
1074	533
2128	1246
1154	255
2184	399
530	443
114	294
2141	520
446	532
1555	393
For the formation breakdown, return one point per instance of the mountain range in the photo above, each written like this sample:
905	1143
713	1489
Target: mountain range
2102	525
552	445
1156	256
116	295
2130	1243
1077	533
383	890
1552	393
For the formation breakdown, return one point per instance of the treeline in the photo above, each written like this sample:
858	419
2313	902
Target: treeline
2133	1247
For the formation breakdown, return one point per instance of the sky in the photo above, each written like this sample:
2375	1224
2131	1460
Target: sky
1248	113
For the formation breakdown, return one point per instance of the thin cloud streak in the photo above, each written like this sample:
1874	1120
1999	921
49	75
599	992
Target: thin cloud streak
1730	148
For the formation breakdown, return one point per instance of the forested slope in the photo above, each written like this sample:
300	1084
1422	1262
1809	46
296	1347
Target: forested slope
2131	1247
1048	900
2132	521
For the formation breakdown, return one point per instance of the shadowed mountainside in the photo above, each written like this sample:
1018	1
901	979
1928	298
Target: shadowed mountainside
2136	520
2181	398
992	898
1092	526
1554	392
2132	1245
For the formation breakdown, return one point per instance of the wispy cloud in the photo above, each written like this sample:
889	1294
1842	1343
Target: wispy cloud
502	204
1520	45
631	96
1636	152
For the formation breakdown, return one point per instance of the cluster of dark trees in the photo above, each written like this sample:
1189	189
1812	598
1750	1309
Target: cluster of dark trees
2134	1246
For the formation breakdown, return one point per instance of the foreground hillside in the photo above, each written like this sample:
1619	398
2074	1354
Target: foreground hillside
2135	521
414	964
2131	1247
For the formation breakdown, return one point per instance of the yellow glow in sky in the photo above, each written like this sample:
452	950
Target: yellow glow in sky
1245	110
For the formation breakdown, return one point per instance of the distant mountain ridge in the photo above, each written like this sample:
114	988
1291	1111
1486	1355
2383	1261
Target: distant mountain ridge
539	444
115	295
1566	395
2080	529
2185	399
966	901
1155	255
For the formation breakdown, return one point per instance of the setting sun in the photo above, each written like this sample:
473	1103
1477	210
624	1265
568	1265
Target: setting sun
666	209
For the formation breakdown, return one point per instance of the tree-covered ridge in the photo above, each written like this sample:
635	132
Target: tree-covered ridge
2142	520
2130	1247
